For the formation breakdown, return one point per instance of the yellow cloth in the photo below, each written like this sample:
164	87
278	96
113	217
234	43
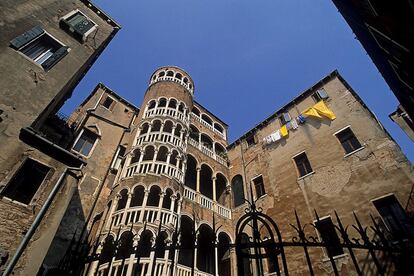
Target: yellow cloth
283	131
312	112
323	110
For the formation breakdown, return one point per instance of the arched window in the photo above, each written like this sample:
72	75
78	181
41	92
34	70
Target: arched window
125	245
123	200
149	153
172	103
223	254
160	244
178	76
219	128
170	74
194	133
138	196
220	150
156	126
206	141
162	74
196	111
177	130
108	250
221	183
187	241
162	154
136	156
185	80
151	104
205	249
166	204
144	245
162	102
177	202
190	179
173	158
238	190
168	126
144	129
207	119
181	107
206	181
154	196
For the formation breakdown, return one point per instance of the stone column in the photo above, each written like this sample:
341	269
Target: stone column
152	257
173	199
114	204
153	160
214	194
126	164
233	261
132	257
216	256
198	184
148	132
126	208
162	194
144	204
94	265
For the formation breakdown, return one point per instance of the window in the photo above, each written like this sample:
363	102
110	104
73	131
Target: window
320	95
329	236
303	164
394	216
40	47
348	140
238	190
85	142
285	118
119	158
250	140
259	186
78	24
24	184
108	103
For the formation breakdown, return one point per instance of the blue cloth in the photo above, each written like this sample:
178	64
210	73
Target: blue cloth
301	119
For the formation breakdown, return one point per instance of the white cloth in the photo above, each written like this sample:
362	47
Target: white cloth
294	124
275	136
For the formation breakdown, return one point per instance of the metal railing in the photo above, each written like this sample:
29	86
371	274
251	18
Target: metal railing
207	151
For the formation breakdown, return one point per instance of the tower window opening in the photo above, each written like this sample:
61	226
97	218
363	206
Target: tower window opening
170	74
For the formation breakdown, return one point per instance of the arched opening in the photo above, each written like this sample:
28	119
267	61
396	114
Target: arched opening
177	202
190	86
238	190
205	249
219	128
220	150
181	107
244	268
178	128
108	250
156	126
122	200
144	129
138	196
185	80
154	196
196	111
162	74
190	179
162	102
125	245
166	204
149	153
168	126
172	103
221	183
178	76
160	244
187	241
170	74
173	158
207	119
151	104
136	155
194	133
223	255
206	141
145	244
206	181
162	154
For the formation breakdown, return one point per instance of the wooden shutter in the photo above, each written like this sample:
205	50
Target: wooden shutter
58	55
25	38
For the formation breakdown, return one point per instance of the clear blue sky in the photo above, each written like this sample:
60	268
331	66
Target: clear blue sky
247	58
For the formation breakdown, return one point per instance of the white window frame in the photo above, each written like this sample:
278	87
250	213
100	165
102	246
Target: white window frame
325	252
113	102
93	147
252	182
296	166
85	35
337	139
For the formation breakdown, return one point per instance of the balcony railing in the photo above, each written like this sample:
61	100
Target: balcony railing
207	202
210	153
157	167
167	111
186	271
162	267
163	137
140	214
207	125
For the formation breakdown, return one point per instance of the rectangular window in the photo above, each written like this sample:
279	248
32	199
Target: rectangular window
348	140
303	164
394	216
108	103
85	142
24	184
320	95
78	24
329	236
250	140
119	159
40	47
285	118
259	186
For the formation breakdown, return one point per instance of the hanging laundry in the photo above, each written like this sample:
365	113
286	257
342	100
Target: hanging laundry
312	112
293	124
267	140
275	136
283	131
301	119
323	110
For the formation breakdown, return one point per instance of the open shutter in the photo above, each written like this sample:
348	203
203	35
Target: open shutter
25	38
58	55
322	94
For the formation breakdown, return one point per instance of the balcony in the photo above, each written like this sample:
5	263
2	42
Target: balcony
163	137
207	125
207	151
167	111
157	167
207	202
140	214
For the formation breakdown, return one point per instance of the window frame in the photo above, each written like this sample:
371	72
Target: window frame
340	143
297	168
62	45
282	118
93	146
87	33
255	189
316	96
252	136
325	250
13	174
111	106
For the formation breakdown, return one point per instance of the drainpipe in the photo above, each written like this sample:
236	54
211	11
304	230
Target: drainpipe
23	244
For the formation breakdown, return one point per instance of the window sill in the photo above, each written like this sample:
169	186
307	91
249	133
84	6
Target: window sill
306	175
261	197
355	151
337	257
9	200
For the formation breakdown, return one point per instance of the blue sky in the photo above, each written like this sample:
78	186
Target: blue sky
247	58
